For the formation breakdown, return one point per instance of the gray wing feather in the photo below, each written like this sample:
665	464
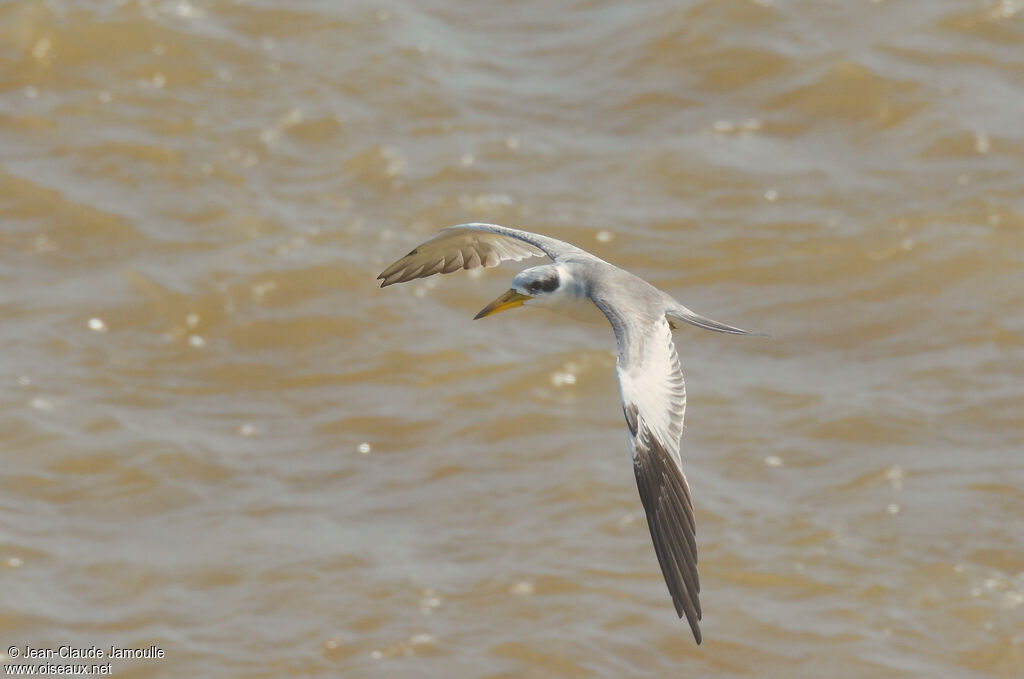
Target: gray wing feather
471	246
654	402
667	503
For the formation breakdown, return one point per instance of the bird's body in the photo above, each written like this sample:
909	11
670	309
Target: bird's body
578	284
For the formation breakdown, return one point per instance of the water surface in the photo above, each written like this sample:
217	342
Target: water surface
221	438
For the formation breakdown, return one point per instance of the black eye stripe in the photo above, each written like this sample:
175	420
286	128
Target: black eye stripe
545	284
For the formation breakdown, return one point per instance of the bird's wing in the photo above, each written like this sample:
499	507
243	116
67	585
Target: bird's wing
654	400
469	246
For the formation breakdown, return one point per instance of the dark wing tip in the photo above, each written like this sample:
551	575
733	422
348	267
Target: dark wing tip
666	500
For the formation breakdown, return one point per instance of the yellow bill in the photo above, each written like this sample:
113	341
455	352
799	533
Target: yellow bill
509	300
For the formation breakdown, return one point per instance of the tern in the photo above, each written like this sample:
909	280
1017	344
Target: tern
650	378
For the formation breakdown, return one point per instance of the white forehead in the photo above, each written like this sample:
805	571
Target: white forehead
536	273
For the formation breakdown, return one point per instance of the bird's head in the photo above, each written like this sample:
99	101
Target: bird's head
540	286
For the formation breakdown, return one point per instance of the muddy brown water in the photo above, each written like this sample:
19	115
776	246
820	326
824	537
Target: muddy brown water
221	438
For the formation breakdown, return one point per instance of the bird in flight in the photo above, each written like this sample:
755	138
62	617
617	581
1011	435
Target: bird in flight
650	379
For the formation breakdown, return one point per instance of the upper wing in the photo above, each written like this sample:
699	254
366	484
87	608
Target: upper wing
469	246
654	401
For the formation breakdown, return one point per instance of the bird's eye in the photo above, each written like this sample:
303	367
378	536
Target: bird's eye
534	286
